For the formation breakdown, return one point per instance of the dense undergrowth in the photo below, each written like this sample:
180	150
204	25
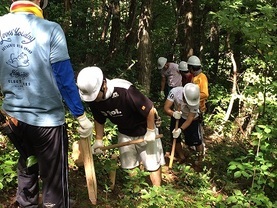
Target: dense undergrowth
238	171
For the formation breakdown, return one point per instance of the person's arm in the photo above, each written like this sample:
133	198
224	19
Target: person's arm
63	73
99	131
176	132
167	107
204	91
151	119
64	76
150	133
188	121
163	82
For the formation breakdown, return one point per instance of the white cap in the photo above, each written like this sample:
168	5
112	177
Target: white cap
192	94
161	62
194	61
89	82
183	66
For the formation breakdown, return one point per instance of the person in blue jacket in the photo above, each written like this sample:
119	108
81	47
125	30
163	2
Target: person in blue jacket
36	78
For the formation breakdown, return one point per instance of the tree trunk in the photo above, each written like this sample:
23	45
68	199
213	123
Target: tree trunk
234	88
106	22
131	29
144	45
115	31
180	22
214	50
187	41
80	33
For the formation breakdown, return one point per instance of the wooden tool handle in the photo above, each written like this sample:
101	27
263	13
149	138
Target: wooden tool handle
174	143
89	169
127	143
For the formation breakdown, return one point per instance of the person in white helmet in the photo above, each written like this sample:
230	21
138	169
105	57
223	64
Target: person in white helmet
171	76
186	75
36	81
187	98
199	78
133	113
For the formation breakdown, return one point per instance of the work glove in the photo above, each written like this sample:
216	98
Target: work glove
177	114
85	128
162	94
150	135
95	147
176	133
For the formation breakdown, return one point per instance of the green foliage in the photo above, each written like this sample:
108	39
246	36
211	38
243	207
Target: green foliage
255	22
4	7
258	169
165	196
8	158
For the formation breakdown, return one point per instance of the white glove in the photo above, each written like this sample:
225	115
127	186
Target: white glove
162	94
177	114
150	135
85	128
176	133
95	147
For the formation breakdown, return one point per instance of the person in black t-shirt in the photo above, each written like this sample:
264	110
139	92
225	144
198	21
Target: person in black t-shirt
132	112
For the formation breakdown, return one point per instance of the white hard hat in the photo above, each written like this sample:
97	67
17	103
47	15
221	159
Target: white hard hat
89	82
194	61
183	66
161	62
43	4
192	94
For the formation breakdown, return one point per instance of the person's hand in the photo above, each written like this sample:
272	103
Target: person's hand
176	133
85	128
177	114
96	146
150	135
162	94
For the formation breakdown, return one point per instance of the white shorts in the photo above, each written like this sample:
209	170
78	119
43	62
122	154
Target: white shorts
150	154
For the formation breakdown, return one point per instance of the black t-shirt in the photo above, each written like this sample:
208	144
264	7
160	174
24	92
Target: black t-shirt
127	107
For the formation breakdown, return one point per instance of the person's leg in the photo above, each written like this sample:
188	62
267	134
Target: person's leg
51	145
129	157
156	177
180	151
152	157
200	152
28	187
193	137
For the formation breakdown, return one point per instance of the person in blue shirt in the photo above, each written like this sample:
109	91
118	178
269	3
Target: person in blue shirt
36	78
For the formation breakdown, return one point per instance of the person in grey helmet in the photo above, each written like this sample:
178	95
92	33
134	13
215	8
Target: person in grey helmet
188	98
171	76
36	78
186	75
199	78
